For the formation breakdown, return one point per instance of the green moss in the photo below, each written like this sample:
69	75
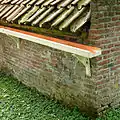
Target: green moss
111	65
48	32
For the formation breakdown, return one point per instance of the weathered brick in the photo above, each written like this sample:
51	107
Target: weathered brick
108	64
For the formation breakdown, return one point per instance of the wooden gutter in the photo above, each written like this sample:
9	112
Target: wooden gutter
71	47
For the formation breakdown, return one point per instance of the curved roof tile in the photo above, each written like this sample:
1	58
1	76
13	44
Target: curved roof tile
70	14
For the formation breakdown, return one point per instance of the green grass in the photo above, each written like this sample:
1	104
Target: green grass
18	102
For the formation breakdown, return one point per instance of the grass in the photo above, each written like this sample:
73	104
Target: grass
18	102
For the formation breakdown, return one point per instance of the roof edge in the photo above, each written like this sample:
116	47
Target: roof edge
63	45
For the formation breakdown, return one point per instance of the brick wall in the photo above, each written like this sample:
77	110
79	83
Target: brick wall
54	73
105	33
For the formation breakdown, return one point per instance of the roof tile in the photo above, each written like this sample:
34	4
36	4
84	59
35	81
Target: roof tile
70	14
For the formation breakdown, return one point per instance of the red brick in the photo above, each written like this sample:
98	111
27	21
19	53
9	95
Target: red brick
104	62
116	18
105	52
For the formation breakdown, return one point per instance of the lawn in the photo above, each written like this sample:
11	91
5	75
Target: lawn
18	102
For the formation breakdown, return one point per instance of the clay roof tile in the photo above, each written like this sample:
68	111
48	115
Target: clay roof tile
61	13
